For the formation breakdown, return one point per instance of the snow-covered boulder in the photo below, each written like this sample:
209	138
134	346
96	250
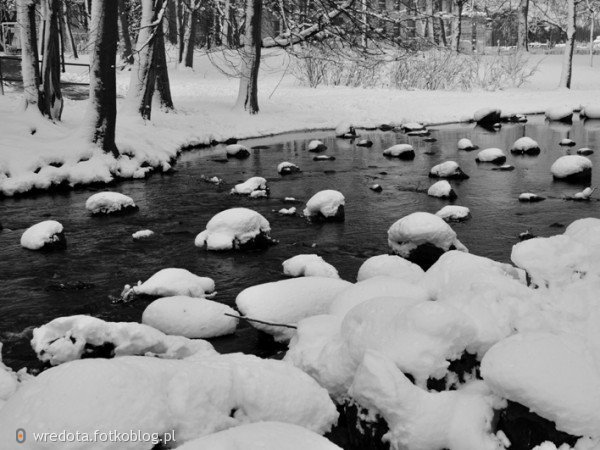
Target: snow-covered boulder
194	318
566	142
441	189
46	235
584	195
287	212
390	266
141	235
530	197
287	302
454	213
345	130
376	187
250	185
585	151
72	337
412	126
309	266
448	169
194	398
326	205
466	144
590	112
237	151
287	168
422	237
487	117
170	282
504	168
572	168
525	146
110	203
235	228
400	151
554	375
560	114
364	143
324	158
316	146
262	436
491	155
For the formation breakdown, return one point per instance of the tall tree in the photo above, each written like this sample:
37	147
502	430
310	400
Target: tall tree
457	25
67	32
172	21
567	65
250	57
191	8
29	54
101	114
127	55
523	25
52	102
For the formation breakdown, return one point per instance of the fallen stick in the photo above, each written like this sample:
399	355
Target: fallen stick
248	319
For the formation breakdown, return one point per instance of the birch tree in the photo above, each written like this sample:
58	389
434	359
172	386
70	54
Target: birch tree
250	58
567	65
29	54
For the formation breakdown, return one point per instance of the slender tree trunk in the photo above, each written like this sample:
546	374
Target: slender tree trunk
68	32
181	29
163	86
190	38
172	22
42	33
250	55
456	35
567	66
29	53
101	114
226	26
127	55
52	102
522	26
430	21
592	23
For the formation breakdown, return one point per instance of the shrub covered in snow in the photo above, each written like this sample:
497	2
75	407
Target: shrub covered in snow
401	151
466	144
194	318
487	117
235	228
109	203
390	266
326	205
250	185
453	213
560	114
46	235
170	282
572	168
286	168
525	146
237	151
309	266
448	169
491	155
441	189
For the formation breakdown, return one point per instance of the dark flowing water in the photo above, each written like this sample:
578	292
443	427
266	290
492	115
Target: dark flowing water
102	254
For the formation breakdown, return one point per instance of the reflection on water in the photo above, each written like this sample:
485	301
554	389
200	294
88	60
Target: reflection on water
102	253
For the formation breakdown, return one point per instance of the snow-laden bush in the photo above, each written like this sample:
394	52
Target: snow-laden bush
170	282
390	266
309	266
46	235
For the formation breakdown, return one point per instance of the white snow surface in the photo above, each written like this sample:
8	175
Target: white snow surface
591	111
9	382
194	318
287	302
262	436
570	165
173	281
440	189
310	265
344	128
40	234
524	144
249	186
325	202
391	266
559	112
108	202
398	149
453	212
231	228
490	154
194	397
445	169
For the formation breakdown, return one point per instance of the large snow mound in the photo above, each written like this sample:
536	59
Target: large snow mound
309	266
48	233
69	338
250	185
569	165
194	318
391	266
109	203
172	281
287	302
327	203
233	228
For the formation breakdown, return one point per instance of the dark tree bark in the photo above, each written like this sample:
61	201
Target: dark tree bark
456	34
127	55
163	86
52	102
522	25
101	114
250	56
172	22
29	54
567	66
189	39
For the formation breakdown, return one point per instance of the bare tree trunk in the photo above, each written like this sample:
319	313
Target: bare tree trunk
127	55
163	86
567	66
456	35
66	11
226	26
52	102
592	23
190	38
29	54
430	20
181	29
101	113
250	55
42	33
172	22
522	26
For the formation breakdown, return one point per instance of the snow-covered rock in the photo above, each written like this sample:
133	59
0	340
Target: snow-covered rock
142	234
590	112
441	189
287	302
364	143
584	195
194	318
345	130
504	168
250	185
554	375
566	142
572	168
172	281
454	213
237	151
376	187
390	266
260	193
69	338
487	117
525	146
235	228
530	197
401	151
324	158
560	114
585	151
326	205
491	155
109	203
316	146
448	169
262	436
286	168
413	126
422	237
309	266
287	212
466	144
46	235
194	398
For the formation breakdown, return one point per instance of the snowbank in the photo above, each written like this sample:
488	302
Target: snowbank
249	186
287	302
491	155
590	112
448	169
390	266
46	235
441	189
9	382
560	114
194	318
572	167
525	146
109	203
401	151
309	266
235	228
454	213
170	282
286	168
326	205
